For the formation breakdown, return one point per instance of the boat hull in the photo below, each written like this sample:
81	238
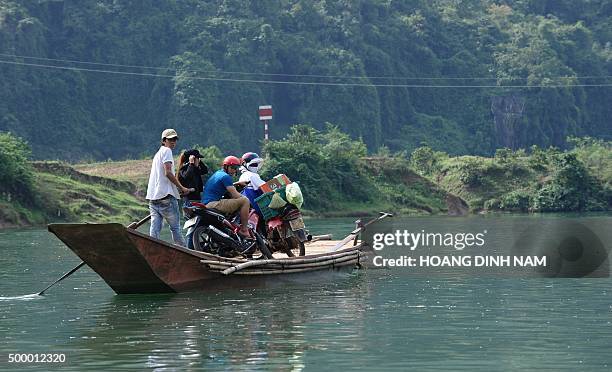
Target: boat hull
132	262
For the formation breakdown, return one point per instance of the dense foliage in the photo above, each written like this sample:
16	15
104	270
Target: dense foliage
543	180
530	49
327	164
15	170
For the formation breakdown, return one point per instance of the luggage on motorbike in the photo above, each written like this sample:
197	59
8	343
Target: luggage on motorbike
276	183
277	201
294	194
264	203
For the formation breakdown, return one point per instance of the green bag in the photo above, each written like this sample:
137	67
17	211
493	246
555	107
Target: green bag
277	201
294	194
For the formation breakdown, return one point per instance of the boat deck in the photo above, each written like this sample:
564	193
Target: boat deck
318	247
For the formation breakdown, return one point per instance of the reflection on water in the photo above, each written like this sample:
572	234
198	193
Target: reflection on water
242	329
374	319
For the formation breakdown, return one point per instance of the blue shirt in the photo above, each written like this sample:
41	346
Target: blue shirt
216	186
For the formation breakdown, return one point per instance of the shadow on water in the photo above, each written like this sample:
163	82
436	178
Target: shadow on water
234	329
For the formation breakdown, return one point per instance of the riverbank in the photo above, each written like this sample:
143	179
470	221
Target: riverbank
63	194
430	183
114	191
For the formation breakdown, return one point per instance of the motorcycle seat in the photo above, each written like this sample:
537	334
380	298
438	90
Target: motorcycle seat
200	208
215	212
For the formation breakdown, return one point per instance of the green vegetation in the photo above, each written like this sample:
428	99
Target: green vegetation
33	193
545	180
542	60
336	178
71	200
15	170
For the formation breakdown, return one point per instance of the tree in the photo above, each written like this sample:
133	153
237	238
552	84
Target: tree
15	170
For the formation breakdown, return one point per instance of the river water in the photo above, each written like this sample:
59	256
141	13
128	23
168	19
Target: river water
372	319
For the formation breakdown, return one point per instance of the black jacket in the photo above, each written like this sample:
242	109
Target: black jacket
190	176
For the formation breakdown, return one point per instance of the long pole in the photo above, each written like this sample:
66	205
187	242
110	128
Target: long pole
62	278
133	225
266	133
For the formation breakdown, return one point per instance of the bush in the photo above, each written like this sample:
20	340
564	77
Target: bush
15	170
571	188
471	173
328	165
423	160
596	155
492	204
503	155
518	200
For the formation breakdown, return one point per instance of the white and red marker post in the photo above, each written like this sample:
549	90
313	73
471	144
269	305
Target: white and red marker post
265	114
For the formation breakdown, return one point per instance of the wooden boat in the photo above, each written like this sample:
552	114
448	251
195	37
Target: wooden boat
133	262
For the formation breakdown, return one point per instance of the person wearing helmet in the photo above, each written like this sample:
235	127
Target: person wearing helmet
221	182
251	164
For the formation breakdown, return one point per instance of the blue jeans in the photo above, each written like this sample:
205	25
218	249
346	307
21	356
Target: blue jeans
189	236
166	209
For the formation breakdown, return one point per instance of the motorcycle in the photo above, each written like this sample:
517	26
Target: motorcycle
212	232
287	232
284	233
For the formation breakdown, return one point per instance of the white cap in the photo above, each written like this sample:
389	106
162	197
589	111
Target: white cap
169	133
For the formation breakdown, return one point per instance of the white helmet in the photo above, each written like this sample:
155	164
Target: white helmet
252	162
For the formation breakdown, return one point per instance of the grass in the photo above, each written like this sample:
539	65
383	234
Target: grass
13	214
65	195
403	191
66	199
492	179
134	171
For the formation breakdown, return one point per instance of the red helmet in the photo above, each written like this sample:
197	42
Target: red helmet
231	161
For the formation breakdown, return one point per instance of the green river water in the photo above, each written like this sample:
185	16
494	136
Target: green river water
374	319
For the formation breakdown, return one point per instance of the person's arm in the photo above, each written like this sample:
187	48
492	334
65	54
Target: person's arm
241	183
189	172
233	192
172	178
257	182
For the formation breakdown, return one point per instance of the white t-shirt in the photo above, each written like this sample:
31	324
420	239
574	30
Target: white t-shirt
159	185
255	179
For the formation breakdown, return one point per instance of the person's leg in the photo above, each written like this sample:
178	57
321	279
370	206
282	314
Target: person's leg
156	220
171	215
244	216
189	239
230	206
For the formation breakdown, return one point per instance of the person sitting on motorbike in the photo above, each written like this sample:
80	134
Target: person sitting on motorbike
221	182
251	164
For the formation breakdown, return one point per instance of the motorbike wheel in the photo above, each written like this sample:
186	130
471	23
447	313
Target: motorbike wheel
261	245
295	244
200	239
288	252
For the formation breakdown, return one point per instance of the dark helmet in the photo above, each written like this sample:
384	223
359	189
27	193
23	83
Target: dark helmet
231	161
249	156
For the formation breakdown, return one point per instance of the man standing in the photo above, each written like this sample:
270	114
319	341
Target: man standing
163	189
